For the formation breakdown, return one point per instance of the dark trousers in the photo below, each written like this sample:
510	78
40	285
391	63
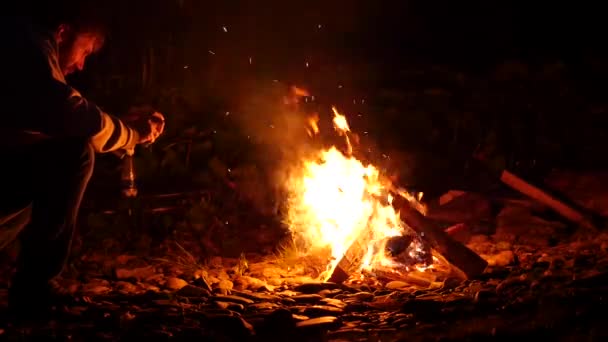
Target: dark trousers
52	175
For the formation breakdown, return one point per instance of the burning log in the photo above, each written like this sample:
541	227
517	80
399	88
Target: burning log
352	259
454	252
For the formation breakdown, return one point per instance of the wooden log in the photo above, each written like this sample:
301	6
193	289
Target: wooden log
545	198
457	254
352	259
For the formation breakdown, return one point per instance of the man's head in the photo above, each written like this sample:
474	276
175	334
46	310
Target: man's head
75	45
77	27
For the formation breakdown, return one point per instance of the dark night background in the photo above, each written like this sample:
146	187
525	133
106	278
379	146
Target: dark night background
438	79
444	94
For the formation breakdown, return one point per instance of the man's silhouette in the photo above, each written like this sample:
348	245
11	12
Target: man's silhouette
48	139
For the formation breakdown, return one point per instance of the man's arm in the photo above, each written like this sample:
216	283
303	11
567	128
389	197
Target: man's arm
43	102
78	116
111	133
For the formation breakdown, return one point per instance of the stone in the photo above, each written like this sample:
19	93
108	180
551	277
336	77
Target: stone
223	275
396	284
363	296
502	259
262	297
326	322
232	299
236	307
333	302
175	284
330	293
246	282
299	318
95	290
307	298
126	287
311	288
223	305
230	306
356	307
264	306
347	334
193	291
321	310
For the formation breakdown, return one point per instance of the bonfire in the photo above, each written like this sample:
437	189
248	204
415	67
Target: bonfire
336	201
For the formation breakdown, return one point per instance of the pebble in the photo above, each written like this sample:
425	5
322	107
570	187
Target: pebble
364	296
321	310
326	322
347	333
223	287
175	284
396	284
307	298
330	293
125	287
333	302
230	306
232	299
263	306
94	289
193	291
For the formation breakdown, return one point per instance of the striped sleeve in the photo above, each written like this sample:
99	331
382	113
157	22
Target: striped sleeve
113	135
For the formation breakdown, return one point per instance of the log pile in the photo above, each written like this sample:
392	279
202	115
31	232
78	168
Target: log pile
467	262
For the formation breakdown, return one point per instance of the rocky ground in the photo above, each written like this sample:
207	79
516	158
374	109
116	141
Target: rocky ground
554	292
545	279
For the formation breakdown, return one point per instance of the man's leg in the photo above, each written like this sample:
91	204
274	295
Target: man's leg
61	172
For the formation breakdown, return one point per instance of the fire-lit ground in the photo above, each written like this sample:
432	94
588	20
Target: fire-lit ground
557	292
545	279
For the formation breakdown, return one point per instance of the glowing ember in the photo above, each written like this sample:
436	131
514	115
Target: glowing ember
335	199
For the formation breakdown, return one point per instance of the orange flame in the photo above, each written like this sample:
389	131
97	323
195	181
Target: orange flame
334	200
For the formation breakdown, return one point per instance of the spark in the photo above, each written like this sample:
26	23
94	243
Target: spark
307	64
211	52
250	60
225	28
186	66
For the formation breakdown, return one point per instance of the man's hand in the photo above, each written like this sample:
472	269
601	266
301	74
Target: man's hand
156	126
149	123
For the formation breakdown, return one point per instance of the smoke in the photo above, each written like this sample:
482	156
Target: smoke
275	119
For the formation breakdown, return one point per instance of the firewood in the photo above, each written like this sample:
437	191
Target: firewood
352	259
545	198
457	254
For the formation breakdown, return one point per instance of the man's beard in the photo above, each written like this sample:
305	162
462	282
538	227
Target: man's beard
65	58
